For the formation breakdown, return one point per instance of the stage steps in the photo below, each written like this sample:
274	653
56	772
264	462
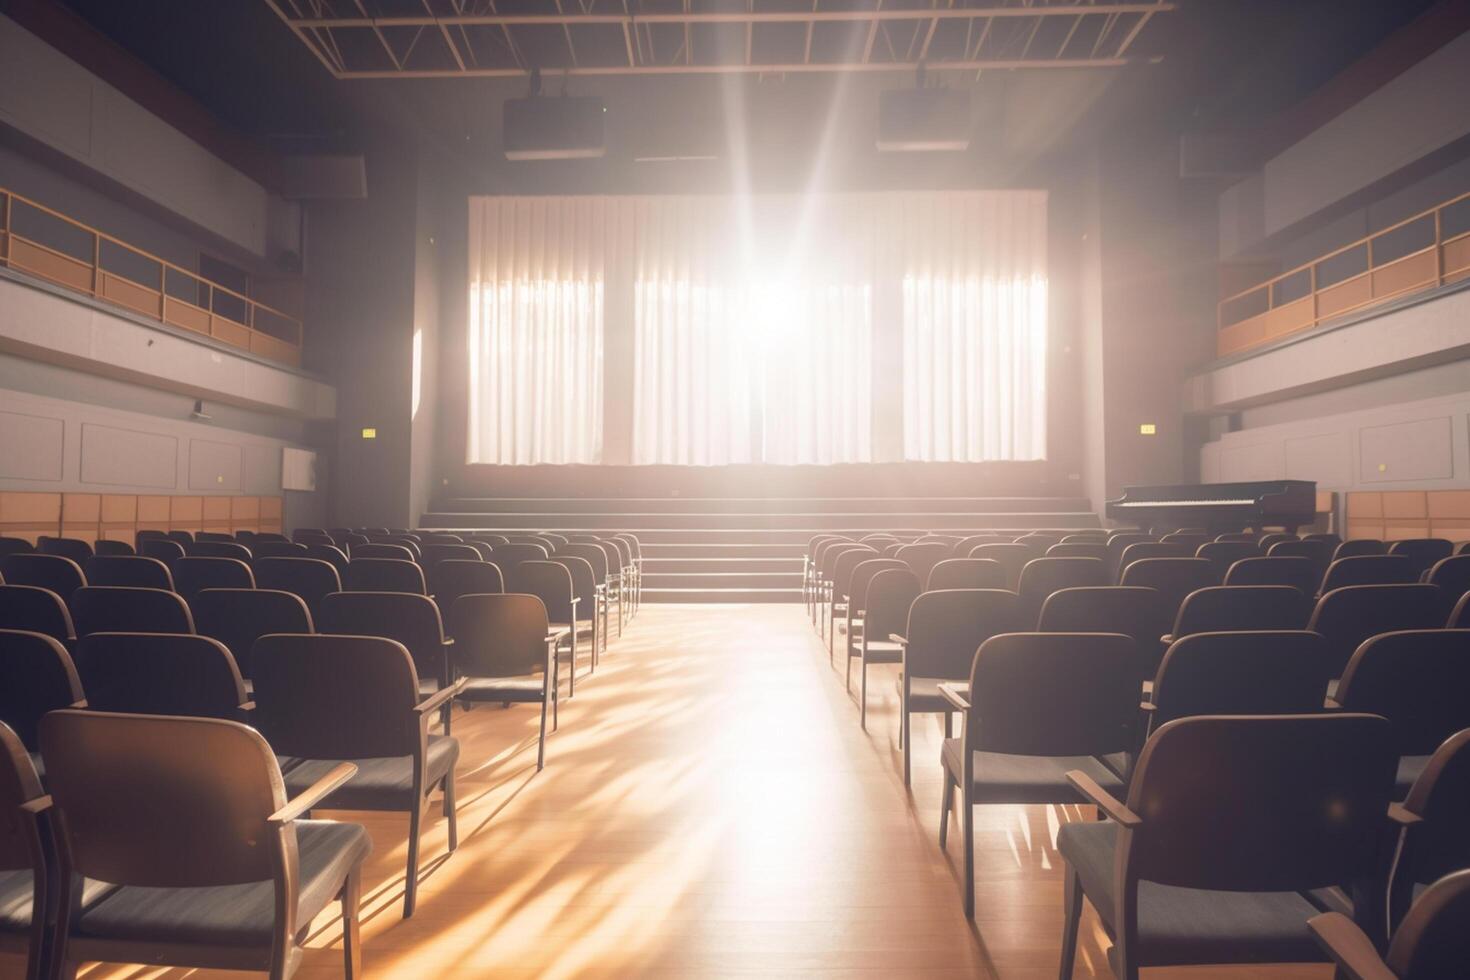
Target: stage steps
741	549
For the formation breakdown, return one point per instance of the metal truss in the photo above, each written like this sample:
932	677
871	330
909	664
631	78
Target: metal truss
357	39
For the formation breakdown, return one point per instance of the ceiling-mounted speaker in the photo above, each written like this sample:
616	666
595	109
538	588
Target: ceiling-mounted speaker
562	127
923	119
321	176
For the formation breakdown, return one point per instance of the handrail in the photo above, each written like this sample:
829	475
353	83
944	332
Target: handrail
1259	327
189	315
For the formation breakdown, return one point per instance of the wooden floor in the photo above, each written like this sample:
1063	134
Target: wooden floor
709	808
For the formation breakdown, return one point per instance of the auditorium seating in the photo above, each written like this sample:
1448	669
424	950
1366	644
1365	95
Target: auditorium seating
1348	616
24	882
118	609
1432	941
1433	843
308	578
193	575
887	601
1298	572
501	642
133	571
408	618
384	575
37	675
151	673
61	575
37	610
239	617
552	584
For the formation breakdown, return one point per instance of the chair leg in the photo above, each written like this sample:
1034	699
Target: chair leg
572	674
945	806
555	693
593	668
948	724
905	736
450	809
847	679
863	683
411	879
1072	908
541	745
351	930
967	825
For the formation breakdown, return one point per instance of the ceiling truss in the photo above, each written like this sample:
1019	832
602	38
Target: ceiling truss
376	39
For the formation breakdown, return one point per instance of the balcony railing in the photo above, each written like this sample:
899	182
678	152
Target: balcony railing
45	243
1428	250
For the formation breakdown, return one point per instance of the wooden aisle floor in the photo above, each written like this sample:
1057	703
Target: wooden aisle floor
709	807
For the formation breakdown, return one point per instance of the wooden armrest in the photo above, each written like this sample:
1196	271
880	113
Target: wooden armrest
317	792
448	641
247	705
78	704
1105	801
1402	815
957	695
1332	704
900	640
1349	947
37	806
1147	706
436	700
556	636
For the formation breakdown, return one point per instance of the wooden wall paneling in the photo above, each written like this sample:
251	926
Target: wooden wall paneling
81	515
244	514
186	513
119	517
1405	514
1364	514
272	514
30	515
1449	514
154	512
216	514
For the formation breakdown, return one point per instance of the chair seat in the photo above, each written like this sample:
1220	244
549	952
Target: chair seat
1410	768
16	892
881	652
380	784
519	689
1002	778
924	693
230	915
1181	926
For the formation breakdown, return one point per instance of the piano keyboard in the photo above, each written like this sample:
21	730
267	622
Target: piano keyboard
1183	503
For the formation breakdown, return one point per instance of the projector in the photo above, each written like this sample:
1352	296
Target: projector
561	128
923	119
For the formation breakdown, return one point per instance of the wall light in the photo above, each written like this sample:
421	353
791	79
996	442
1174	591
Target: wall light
1148	429
369	433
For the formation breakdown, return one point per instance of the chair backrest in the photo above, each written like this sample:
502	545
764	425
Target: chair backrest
846	563
830	552
584	583
160	674
949	539
412	620
221	536
329	553
590	553
1452	577
967	573
278	549
74	548
1195	538
1276	672
631	540
1128	610
1348	616
36	610
1289	803
128	570
407	541
1423	552
1172	579
969	544
1267	541
1091	534
336	697
921	558
625	553
395	552
219	549
119	609
61	575
1369	570
1223	554
306	577
549	582
438	537
448	580
1433	942
493	540
889	595
507	556
239	617
862	577
384	575
1079	549
1053	694
182	537
1238	536
106	546
164	549
1359	546
1042	576
1437	844
447	551
1117	543
36	676
561	540
1417	679
1143	550
1011	557
1299	573
15	546
163	802
193	575
945	628
499	635
1223	608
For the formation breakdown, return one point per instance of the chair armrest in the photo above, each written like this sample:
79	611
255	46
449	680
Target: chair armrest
1352	950
1403	816
956	694
1105	801
1147	706
900	640
247	705
1331	704
78	704
557	636
314	794
436	700
37	806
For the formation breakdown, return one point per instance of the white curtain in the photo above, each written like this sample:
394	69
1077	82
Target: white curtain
974	324
535	338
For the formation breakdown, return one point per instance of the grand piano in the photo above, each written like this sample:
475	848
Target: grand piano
1219	506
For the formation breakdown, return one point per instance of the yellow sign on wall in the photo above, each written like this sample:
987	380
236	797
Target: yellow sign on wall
370	433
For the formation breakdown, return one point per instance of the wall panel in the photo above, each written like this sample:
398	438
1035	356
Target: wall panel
33	447
128	457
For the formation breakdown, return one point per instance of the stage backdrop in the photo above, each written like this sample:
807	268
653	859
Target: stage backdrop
754	324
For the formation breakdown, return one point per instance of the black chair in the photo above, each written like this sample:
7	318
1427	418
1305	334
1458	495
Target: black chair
239	617
1358	547
1422	552
1039	706
1042	576
595	556
635	566
219	549
828	554
944	630
1420	681
411	544
412	620
1117	543
161	674
118	609
210	865
889	594
1319	553
1197	538
1224	608
27	877
427	538
221	536
1350	615
131	571
1299	573
854	624
278	549
384	575
1228	819
306	577
493	540
1369	570
163	549
15	546
74	548
552	584
485	550
507	556
392	552
1079	549
967	573
839	605
61	575
36	610
1153	550
1223	554
1452	577
435	553
108	547
1432	943
612	589
37	675
448	580
1267	541
1011	557
584	591
1172	579
922	558
194	575
1129	610
501	643
1436	812
325	699
1259	672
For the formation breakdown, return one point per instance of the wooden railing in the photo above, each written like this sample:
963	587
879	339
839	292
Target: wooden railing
1430	249
47	244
